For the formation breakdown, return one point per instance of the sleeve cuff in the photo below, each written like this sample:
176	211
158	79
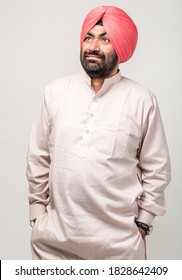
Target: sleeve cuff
145	217
36	210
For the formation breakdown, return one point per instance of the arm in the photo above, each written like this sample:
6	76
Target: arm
38	162
154	164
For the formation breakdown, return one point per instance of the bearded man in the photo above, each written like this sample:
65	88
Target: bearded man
98	162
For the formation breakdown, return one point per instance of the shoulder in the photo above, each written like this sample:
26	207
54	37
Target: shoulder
61	82
137	89
59	87
138	95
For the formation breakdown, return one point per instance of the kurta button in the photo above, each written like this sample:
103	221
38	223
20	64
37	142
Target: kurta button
91	115
87	131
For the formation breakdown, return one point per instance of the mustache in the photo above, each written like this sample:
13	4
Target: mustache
95	53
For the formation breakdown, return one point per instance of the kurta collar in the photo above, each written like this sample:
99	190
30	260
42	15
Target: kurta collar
106	85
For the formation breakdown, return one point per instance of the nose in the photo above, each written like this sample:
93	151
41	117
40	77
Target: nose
94	45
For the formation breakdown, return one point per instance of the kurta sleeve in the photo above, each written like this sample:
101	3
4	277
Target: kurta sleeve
38	161
154	163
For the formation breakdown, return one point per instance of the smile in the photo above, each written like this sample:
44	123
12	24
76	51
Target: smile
91	56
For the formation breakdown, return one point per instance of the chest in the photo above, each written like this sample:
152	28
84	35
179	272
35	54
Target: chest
110	125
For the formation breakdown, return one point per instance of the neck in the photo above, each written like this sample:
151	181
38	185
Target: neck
97	83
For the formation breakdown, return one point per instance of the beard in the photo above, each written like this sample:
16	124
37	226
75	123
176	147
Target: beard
101	67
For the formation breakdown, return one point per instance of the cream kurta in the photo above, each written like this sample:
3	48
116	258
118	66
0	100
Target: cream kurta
95	163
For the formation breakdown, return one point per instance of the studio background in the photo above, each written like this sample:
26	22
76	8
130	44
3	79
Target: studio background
40	42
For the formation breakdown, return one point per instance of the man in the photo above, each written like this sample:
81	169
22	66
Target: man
98	162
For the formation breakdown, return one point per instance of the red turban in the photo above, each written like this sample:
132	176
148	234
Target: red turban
119	27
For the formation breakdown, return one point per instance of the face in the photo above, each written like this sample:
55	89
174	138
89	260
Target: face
97	56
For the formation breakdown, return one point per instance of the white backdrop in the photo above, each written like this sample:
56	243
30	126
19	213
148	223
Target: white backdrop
40	42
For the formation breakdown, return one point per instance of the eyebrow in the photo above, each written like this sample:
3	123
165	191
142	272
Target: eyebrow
100	35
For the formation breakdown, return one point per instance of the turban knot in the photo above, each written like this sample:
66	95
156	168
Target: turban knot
119	27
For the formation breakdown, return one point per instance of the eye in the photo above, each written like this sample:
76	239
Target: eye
88	39
105	40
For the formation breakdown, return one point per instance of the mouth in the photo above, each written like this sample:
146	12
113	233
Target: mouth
92	57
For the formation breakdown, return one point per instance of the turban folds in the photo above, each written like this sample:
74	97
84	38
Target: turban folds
119	27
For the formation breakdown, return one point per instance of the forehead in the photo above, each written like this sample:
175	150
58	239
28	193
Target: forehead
97	30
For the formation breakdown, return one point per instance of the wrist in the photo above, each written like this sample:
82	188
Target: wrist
146	228
32	222
142	232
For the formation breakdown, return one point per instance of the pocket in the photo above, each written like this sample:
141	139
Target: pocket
121	138
39	221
